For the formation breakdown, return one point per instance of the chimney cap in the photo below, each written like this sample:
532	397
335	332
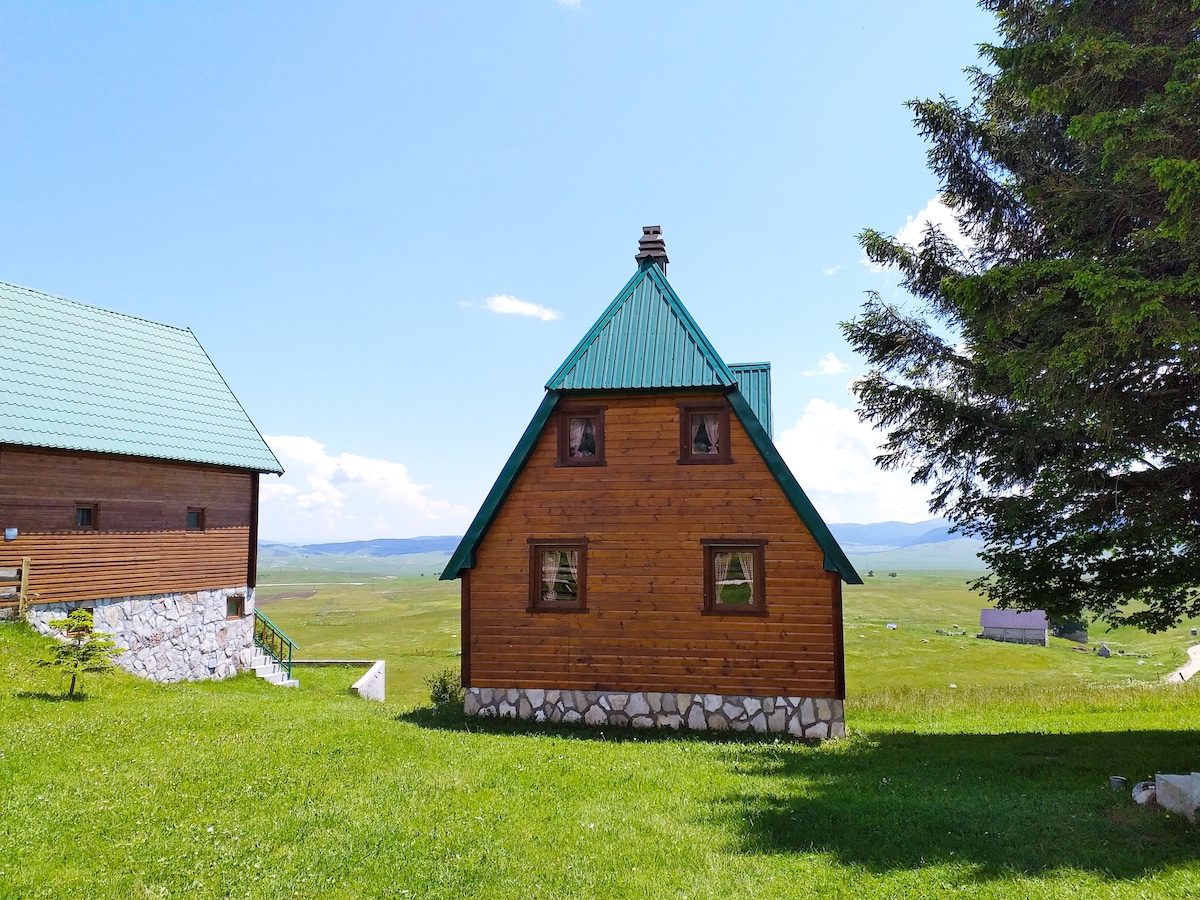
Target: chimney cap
652	249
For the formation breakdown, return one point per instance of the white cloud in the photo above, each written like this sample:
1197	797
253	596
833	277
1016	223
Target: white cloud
829	365
833	270
347	498
504	305
913	230
568	2
832	455
936	213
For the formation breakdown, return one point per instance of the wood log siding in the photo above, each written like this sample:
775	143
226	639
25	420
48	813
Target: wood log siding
141	545
94	565
40	489
644	516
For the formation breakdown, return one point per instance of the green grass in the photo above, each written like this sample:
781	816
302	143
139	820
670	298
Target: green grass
920	603
237	789
413	623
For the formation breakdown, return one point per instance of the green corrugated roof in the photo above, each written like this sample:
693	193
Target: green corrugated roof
645	339
754	381
76	377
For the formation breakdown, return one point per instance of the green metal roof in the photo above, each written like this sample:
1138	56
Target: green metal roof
645	339
76	377
754	381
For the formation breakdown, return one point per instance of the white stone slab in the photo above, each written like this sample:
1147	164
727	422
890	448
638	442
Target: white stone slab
371	685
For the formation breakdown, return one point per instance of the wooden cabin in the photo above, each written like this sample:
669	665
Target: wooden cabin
128	484
646	557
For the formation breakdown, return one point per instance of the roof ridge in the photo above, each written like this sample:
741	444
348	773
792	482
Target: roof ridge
628	348
111	312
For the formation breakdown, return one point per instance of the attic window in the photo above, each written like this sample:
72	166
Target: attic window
195	518
557	575
703	433
86	516
581	437
733	577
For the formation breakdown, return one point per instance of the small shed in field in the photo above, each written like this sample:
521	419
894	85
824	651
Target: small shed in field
1015	627
128	485
646	557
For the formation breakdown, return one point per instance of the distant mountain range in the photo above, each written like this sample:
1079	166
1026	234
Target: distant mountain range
376	548
908	545
891	535
881	545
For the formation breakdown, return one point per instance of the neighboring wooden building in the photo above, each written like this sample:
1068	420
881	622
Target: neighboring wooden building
646	556
129	480
1015	627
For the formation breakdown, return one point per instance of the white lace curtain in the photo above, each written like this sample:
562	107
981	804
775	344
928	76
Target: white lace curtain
577	428
549	575
706	424
553	563
723	562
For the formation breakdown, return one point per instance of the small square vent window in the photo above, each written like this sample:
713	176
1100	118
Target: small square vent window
195	519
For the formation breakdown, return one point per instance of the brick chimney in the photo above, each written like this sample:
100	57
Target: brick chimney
652	249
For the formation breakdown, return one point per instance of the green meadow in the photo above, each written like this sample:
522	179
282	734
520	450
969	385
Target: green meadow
413	623
995	788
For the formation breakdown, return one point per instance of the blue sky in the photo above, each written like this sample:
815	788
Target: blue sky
333	197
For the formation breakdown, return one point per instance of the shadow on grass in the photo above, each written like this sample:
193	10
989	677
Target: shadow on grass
1006	805
457	720
47	697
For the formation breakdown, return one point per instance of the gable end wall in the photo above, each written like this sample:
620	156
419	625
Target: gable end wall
644	516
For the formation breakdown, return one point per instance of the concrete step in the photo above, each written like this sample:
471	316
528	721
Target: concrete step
270	671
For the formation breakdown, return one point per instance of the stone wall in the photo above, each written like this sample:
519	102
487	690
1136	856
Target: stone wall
169	637
805	717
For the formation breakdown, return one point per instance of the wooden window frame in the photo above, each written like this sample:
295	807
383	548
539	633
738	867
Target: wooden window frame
194	509
95	515
714	545
241	607
564	435
686	457
536	603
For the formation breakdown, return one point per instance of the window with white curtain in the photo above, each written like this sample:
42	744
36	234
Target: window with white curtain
557	574
733	575
581	436
704	433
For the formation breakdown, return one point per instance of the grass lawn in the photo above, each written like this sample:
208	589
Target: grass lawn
996	788
413	623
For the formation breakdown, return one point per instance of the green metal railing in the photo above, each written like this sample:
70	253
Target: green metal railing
270	638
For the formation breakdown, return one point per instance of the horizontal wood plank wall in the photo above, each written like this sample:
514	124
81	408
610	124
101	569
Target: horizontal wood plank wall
98	564
644	516
141	545
40	490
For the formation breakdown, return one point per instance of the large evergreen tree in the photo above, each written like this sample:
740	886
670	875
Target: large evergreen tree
1048	385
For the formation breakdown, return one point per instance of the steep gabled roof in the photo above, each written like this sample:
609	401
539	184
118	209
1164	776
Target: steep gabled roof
77	377
645	339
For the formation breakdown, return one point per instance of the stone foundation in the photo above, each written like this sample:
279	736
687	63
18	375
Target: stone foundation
168	637
802	717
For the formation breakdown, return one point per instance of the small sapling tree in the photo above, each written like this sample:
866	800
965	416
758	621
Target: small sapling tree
445	689
83	650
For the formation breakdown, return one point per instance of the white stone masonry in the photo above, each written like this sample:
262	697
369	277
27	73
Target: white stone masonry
169	637
802	717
